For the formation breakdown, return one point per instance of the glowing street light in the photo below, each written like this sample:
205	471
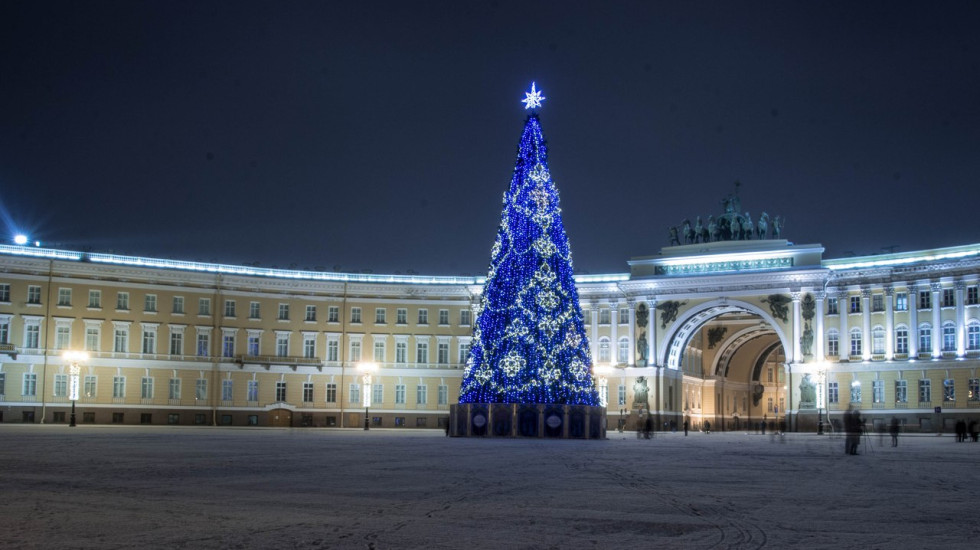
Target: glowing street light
73	358
603	372
366	370
20	239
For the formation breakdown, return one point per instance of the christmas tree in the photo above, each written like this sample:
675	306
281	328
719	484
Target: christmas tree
529	343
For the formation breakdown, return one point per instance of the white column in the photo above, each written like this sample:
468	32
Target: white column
866	318
843	303
594	339
632	333
913	292
797	327
937	320
652	333
960	319
614	332
818	330
889	323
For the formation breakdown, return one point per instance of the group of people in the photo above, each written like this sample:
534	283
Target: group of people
963	432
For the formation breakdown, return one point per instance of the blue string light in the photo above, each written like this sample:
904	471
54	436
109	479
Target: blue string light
529	343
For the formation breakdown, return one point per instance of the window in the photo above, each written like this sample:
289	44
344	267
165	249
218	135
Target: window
443	316
280	392
401	352
146	388
32	336
310	313
95	299
901	301
230	308
61	385
309	346
421	394
855	342
465	317
228	345
949	390
925	339
901	391
925	299
973	389
118	418
623	351
254	311
64	297
354	391
253	345
443	395
204	306
307	392
333	350
201	389
283	312
380	316
88	388
604	351
464	352
149	340
973	335
877	302
624	316
422	352
174	391
333	314
831	306
121	340
118	387
949	297
878	340
603	316
925	391
203	344
178	305
442	353
769	404
833	393
949	336
29	387
5	292
379	351
62	337
878	391
855	302
833	343
150	303
331	394
621	394
176	343
769	375
399	394
355	315
252	390
33	294
355	350
855	392
282	344
972	295
401	316
378	394
901	340
122	301
423	317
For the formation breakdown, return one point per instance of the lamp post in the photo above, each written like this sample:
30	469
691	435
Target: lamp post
73	358
366	370
821	384
603	371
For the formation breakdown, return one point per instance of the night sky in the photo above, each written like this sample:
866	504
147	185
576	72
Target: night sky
381	136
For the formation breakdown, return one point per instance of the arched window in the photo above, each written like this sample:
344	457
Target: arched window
925	338
855	342
973	335
623	354
901	339
604	350
833	343
949	336
878	340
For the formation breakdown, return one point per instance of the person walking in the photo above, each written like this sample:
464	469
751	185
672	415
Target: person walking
686	422
893	430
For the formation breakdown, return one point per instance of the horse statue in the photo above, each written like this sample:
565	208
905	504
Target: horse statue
698	230
777	227
688	232
674	240
736	229
763	226
747	226
712	230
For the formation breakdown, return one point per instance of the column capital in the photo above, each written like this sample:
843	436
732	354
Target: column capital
936	286
866	292
796	296
889	290
960	284
819	295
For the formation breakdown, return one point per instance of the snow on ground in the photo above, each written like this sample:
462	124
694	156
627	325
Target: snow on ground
206	487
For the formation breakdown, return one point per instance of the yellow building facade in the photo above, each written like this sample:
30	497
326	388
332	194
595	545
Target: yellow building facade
724	335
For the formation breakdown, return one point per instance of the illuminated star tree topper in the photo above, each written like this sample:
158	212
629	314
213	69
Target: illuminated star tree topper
533	98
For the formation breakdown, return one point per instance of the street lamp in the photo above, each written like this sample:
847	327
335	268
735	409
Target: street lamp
73	358
603	372
366	370
821	384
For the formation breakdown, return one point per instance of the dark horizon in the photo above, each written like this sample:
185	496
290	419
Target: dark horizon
381	137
